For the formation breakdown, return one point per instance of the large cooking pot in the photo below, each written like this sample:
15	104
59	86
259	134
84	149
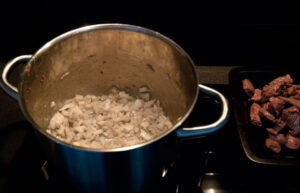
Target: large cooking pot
90	60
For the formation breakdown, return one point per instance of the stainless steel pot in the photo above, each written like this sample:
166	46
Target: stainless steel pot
90	60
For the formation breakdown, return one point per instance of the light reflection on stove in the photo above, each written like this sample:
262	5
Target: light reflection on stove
44	170
164	172
211	190
177	188
210	174
166	169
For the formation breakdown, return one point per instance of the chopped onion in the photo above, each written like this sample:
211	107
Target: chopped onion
109	121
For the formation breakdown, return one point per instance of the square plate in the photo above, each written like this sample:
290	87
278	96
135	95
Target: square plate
252	137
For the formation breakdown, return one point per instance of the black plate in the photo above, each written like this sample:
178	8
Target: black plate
252	137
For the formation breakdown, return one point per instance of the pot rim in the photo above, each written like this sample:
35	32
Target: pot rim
89	28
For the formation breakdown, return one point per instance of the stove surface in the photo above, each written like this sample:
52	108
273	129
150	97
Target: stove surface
214	163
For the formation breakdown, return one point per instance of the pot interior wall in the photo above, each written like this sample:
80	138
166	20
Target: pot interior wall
92	62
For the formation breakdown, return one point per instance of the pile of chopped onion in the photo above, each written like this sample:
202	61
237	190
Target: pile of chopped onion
109	121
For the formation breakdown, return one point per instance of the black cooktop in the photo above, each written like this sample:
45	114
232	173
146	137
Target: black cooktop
214	163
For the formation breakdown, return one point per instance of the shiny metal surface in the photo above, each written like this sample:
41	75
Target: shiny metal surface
220	122
137	170
4	83
90	60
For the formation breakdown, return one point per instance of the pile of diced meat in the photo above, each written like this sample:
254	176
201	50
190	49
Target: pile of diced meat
276	107
109	121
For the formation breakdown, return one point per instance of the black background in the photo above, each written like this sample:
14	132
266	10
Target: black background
213	32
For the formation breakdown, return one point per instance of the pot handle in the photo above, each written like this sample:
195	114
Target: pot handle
205	129
7	87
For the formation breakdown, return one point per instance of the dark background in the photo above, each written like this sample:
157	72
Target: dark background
213	32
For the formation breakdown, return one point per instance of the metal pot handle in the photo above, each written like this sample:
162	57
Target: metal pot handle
205	129
7	87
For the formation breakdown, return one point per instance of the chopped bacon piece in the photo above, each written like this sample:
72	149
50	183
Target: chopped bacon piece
273	145
254	114
248	87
